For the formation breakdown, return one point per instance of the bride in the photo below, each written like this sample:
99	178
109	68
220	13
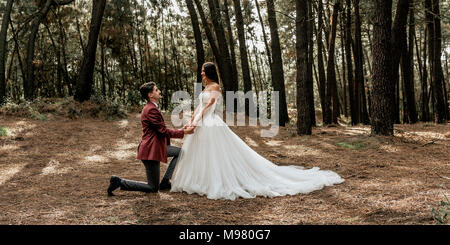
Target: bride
215	162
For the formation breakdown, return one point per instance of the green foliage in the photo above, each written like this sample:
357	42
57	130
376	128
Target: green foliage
351	145
97	107
24	109
3	131
110	109
441	214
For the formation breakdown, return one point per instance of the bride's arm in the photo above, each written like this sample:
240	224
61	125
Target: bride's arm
193	115
210	103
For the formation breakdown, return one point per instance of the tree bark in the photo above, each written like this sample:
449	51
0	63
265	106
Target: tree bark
29	83
310	81
277	65
408	71
211	39
320	63
382	87
4	50
332	101
303	115
424	108
269	55
85	79
348	56
359	93
200	52
398	42
242	49
231	44
226	71
440	112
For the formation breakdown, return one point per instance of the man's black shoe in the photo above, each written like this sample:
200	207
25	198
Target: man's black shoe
114	183
165	185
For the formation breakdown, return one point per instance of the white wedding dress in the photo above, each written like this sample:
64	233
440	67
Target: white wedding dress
215	162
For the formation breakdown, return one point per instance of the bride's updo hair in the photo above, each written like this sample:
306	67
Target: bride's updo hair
211	71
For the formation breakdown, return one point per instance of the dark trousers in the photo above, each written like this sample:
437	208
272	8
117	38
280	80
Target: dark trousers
152	171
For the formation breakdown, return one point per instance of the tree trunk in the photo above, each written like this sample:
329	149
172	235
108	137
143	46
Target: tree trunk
231	43
398	42
344	72
440	112
58	83
408	71
269	55
382	87
242	49
277	65
80	37
198	39
332	101
310	81
16	46
29	83
303	115
424	109
85	79
211	39
224	53
359	93
4	50
102	50
348	56
320	63
62	40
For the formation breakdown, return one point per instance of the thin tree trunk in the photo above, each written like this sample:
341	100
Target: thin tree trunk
320	63
331	92
242	49
29	83
424	108
227	70
277	65
209	35
80	37
102	50
85	80
58	84
16	46
310	81
198	39
231	44
266	44
440	112
348	56
398	42
344	72
359	68
4	50
62	40
303	115
408	71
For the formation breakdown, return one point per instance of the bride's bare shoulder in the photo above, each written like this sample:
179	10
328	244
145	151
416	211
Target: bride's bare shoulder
215	87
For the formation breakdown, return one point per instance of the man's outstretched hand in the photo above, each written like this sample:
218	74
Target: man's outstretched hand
188	129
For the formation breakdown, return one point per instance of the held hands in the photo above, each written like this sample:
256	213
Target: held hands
188	129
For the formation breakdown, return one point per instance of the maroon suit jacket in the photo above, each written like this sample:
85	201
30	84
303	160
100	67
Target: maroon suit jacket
155	135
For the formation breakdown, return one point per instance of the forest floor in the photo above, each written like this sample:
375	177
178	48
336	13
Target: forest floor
56	171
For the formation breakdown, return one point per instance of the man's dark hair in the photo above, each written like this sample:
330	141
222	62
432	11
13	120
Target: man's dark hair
146	88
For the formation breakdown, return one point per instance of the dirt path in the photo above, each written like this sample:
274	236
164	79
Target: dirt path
58	172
